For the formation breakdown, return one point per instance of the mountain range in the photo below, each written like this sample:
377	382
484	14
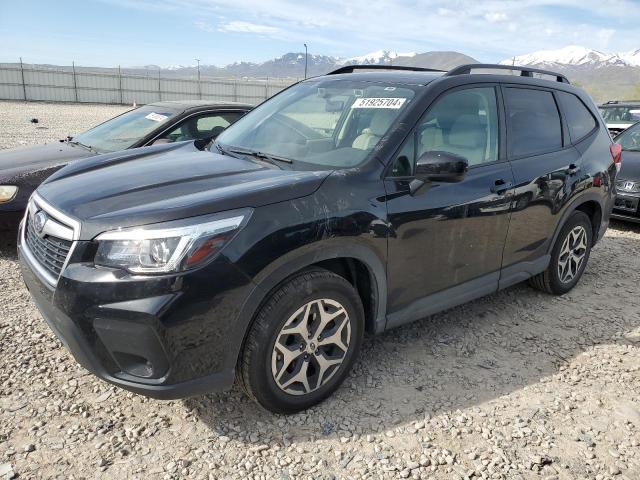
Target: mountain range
292	64
604	75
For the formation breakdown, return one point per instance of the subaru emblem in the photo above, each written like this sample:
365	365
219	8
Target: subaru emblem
39	220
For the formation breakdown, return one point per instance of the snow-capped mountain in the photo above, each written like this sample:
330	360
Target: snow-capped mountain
379	57
632	58
576	56
292	64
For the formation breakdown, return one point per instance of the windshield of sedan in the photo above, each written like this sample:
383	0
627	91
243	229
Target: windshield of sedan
622	115
330	124
124	130
630	138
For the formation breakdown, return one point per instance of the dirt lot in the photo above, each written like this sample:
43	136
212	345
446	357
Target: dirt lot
516	385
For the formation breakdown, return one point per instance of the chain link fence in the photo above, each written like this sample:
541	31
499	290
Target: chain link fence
30	82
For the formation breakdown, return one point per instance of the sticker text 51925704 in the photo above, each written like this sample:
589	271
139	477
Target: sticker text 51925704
393	103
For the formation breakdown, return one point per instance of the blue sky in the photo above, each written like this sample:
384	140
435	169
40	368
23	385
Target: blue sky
174	32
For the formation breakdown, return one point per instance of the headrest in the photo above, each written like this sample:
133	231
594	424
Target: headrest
380	122
467	131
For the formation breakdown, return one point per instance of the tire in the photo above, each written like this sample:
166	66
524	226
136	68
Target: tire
272	368
569	256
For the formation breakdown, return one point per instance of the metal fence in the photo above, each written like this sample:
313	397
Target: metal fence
79	84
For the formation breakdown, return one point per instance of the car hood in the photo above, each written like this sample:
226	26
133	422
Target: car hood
167	182
14	161
630	169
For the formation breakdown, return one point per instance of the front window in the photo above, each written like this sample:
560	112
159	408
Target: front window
124	130
622	115
630	138
328	124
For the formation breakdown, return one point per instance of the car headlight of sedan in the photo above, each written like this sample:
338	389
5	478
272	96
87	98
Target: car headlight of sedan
7	193
169	247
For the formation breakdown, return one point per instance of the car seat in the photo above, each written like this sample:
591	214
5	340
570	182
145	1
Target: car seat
371	135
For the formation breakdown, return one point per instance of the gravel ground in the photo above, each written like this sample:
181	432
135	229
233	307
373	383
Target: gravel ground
515	385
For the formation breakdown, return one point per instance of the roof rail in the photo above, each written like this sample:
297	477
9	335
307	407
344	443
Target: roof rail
352	68
615	102
524	71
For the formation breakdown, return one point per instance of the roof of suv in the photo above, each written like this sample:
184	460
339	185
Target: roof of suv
621	103
402	76
423	76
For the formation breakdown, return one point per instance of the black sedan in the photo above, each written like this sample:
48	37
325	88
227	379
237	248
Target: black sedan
627	205
23	169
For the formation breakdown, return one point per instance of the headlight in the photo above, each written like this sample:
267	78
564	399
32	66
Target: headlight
7	193
169	247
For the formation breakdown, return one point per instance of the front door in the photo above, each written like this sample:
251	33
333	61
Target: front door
449	235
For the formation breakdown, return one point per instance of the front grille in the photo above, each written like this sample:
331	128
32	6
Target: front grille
628	186
49	251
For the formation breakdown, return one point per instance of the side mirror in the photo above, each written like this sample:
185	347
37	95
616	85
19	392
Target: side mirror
437	166
201	143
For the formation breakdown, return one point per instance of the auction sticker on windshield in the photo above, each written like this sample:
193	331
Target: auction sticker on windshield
393	103
156	117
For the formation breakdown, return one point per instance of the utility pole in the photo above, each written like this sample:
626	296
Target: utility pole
24	87
306	56
199	87
75	83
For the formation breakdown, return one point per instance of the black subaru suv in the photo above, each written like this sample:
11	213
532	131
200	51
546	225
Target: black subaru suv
356	201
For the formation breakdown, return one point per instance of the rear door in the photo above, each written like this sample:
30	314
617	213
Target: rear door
545	168
449	234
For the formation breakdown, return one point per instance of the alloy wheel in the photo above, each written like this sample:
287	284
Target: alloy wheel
311	346
572	254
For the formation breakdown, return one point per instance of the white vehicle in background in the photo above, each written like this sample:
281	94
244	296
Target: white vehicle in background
620	114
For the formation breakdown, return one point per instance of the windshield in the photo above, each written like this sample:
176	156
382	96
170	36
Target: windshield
328	124
123	131
630	138
623	115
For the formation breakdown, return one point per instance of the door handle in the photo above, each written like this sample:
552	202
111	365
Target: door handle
573	169
500	186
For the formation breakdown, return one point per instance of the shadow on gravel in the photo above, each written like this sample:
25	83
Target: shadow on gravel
463	357
8	244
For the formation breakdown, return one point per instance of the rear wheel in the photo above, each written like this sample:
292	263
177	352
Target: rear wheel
569	256
303	342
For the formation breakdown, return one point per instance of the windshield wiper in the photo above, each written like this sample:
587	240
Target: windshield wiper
89	147
266	157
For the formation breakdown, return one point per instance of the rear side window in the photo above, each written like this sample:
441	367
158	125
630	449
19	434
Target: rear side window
578	116
533	122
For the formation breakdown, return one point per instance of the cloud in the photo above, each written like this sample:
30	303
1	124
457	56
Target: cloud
469	26
247	27
605	35
204	26
496	17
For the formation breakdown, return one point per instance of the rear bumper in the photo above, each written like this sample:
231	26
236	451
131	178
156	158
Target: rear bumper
161	337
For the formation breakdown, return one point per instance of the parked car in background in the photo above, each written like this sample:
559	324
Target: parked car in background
23	169
620	114
356	201
627	205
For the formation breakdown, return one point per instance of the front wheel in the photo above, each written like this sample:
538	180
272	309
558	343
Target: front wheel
569	256
303	342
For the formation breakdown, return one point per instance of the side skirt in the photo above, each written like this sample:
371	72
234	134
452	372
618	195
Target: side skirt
468	291
445	299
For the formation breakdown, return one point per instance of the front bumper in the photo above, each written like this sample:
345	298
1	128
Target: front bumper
626	207
164	337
